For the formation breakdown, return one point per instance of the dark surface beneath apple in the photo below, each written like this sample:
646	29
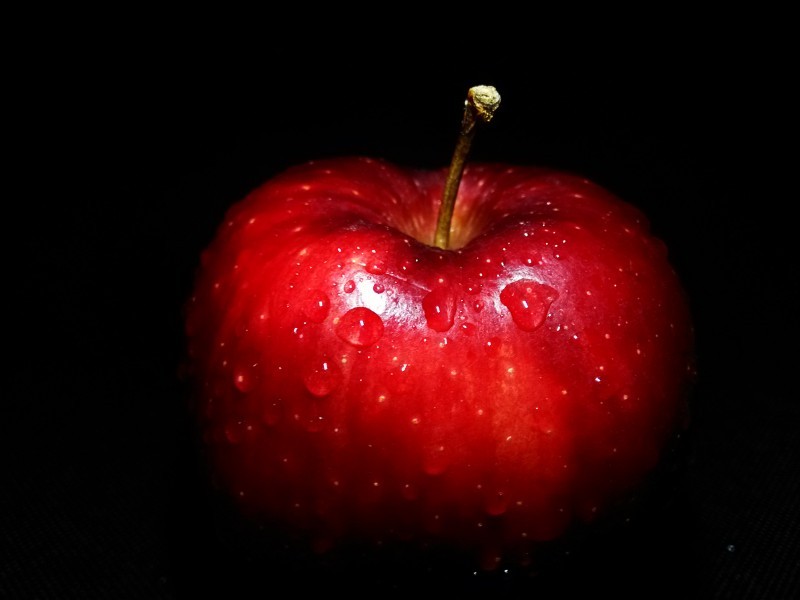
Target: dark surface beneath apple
132	169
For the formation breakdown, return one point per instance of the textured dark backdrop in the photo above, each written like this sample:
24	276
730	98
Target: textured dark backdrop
132	145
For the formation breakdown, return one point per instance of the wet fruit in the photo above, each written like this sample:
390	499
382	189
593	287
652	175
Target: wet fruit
355	384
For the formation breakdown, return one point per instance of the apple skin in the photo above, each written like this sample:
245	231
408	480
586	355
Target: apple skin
353	383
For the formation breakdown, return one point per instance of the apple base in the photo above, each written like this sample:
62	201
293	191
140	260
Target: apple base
632	546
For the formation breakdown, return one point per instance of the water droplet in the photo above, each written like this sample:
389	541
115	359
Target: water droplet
272	413
496	503
322	545
349	286
360	327
490	559
234	431
435	460
377	267
322	378
378	288
439	306
528	302
398	379
316	306
315	423
205	258
410	491
244	377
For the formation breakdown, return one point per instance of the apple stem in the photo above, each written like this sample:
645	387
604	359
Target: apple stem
481	103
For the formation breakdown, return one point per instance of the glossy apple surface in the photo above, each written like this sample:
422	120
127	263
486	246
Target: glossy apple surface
353	383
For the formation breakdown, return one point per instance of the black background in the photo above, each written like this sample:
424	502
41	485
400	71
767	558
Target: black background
129	141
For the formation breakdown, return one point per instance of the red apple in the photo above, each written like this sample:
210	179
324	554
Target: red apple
354	383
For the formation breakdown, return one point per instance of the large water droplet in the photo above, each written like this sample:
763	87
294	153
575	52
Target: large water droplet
360	327
349	286
322	378
439	306
528	302
316	306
